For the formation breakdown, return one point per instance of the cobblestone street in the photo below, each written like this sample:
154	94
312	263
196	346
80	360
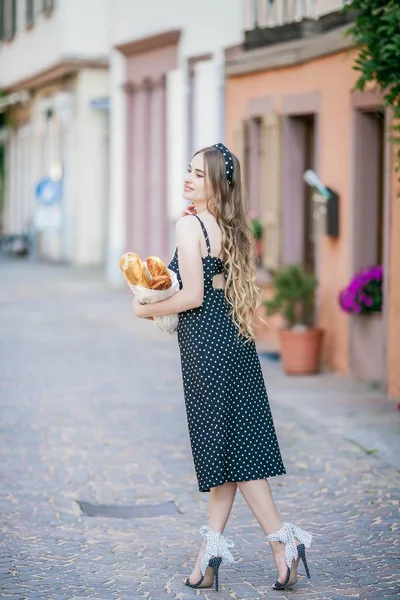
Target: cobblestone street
92	411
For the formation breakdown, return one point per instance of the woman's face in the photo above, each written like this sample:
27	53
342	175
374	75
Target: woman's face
195	181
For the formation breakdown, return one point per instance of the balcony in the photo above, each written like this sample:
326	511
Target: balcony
268	22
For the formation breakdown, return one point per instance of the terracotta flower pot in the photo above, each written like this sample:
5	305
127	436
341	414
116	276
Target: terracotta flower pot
301	351
257	248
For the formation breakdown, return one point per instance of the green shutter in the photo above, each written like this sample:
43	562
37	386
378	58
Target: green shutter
2	20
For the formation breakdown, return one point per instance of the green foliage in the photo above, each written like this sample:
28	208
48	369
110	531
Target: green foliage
294	295
376	31
256	228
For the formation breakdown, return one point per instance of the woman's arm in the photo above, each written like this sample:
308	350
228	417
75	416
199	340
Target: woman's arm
191	272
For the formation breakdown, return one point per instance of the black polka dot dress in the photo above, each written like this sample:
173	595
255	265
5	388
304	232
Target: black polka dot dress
231	430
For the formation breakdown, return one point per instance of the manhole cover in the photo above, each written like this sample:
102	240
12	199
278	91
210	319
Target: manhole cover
128	512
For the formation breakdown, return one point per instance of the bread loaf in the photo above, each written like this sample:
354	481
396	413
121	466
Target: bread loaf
156	267
161	282
134	270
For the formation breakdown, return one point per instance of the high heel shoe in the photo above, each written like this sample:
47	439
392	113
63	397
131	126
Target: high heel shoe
216	552
288	534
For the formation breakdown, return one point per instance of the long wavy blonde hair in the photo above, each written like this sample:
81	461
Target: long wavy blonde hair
228	204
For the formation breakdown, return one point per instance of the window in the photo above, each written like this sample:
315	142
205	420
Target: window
48	6
8	19
30	13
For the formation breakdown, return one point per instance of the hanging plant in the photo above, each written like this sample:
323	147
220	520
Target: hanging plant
364	293
376	32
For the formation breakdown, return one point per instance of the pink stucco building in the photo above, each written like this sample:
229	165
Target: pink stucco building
290	106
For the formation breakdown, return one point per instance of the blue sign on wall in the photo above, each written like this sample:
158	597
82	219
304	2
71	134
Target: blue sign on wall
49	191
102	103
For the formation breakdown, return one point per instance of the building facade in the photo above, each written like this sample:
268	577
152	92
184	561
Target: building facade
290	107
54	80
111	98
167	86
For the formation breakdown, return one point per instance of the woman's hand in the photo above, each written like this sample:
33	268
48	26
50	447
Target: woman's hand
139	309
191	210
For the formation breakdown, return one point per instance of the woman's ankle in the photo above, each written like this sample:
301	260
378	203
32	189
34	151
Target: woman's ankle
277	547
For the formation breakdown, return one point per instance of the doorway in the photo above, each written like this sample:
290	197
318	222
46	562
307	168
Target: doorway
367	332
299	245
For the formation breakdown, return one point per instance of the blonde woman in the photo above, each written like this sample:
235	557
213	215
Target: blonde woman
231	430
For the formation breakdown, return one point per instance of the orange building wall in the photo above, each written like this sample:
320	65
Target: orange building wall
333	77
394	294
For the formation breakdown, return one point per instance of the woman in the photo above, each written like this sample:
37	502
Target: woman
232	434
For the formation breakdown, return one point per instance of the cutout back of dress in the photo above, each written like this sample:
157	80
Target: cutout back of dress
218	278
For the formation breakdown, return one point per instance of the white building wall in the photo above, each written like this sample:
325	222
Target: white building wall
90	172
176	140
89	30
85	31
65	103
75	136
28	53
207	104
117	166
75	29
206	26
47	155
18	181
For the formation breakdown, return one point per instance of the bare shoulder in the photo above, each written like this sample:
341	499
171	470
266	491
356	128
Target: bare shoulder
186	225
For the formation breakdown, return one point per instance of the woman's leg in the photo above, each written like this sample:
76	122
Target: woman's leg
220	506
258	496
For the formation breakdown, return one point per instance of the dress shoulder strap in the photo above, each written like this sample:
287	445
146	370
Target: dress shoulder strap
205	234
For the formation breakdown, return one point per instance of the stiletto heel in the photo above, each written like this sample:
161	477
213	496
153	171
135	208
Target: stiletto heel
301	549
215	563
216	552
288	534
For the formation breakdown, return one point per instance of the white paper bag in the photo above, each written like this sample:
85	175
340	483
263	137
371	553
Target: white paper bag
168	323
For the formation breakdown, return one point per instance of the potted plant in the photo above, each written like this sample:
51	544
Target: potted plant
256	227
363	295
294	297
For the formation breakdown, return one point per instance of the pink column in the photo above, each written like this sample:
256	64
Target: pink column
146	174
147	225
138	170
164	196
150	176
155	168
129	89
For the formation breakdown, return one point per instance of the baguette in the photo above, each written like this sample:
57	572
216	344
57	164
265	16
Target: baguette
161	282
156	267
134	270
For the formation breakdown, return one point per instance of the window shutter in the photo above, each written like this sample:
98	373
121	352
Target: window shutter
30	13
9	17
48	6
1	20
239	146
271	186
13	18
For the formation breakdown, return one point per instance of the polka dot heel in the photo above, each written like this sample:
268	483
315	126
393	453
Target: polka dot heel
211	575
288	534
216	552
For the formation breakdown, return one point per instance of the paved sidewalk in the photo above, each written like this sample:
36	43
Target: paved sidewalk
92	410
